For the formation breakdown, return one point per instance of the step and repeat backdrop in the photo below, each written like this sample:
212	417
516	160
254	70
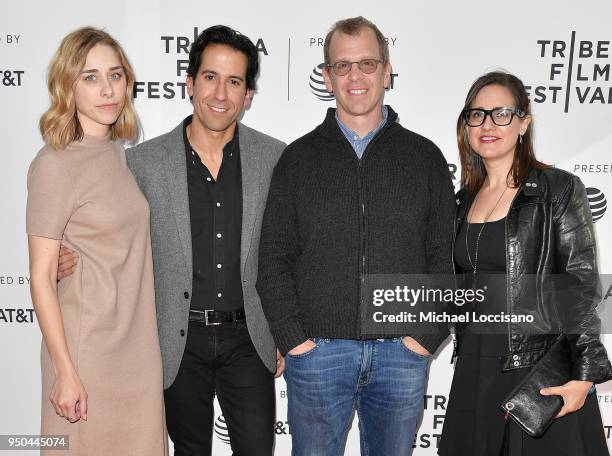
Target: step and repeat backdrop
561	50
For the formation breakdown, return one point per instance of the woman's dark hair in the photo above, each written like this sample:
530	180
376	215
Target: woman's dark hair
222	34
473	171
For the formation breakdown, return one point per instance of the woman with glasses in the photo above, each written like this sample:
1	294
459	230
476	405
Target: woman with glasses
101	363
519	219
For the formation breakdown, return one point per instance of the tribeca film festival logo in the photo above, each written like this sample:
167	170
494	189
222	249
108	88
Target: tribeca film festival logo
316	82
178	46
434	406
579	72
597	203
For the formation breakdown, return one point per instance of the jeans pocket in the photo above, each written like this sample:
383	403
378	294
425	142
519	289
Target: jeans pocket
412	352
317	341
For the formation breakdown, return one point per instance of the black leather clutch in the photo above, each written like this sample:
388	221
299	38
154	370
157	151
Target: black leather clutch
533	412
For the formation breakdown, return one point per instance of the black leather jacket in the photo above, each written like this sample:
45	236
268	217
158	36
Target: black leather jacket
549	233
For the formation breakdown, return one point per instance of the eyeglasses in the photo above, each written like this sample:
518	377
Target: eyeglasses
500	116
342	68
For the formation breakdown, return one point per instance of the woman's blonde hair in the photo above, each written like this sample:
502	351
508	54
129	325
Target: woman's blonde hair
60	126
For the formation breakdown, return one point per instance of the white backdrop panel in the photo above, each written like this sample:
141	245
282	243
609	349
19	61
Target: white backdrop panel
437	50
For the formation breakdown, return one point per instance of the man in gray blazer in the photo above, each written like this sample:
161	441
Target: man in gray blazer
207	182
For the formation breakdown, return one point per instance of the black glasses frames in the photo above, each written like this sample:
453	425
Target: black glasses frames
475	117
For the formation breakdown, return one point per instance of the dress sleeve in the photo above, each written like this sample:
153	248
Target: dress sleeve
51	196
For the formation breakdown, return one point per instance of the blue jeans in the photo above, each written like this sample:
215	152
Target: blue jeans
382	379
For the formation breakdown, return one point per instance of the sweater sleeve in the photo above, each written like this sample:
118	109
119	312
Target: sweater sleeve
439	240
441	216
278	254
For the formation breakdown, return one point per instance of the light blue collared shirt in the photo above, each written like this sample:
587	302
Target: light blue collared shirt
359	144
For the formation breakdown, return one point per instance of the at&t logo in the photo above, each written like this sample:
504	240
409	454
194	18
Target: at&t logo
11	78
317	84
16	315
221	429
597	203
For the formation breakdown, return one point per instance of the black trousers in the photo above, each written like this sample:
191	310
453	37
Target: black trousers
221	360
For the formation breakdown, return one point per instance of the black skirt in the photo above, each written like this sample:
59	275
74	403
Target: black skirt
474	423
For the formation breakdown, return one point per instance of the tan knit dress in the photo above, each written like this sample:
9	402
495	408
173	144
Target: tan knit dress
86	196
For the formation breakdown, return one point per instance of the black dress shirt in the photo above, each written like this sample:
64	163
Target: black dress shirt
215	209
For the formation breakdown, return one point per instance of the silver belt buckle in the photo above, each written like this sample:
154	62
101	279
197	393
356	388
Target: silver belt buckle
206	318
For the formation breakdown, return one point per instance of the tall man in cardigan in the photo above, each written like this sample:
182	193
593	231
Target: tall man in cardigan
358	195
206	183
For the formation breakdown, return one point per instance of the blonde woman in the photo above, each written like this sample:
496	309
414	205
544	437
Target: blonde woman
101	363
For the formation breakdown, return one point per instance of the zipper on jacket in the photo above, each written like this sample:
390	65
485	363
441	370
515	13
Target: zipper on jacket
362	243
468	202
454	333
508	268
362	223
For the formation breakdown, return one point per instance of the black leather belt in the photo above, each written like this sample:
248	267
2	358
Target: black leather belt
216	317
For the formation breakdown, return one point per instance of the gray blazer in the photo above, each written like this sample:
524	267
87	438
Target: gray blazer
160	169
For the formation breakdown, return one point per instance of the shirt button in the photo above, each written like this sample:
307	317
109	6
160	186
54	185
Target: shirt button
355	137
515	357
182	333
218	204
219	266
219	295
186	294
219	235
516	364
208	179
